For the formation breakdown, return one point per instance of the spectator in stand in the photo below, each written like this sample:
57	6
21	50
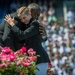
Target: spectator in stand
70	16
51	15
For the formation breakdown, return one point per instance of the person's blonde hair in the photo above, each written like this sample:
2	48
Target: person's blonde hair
20	10
25	11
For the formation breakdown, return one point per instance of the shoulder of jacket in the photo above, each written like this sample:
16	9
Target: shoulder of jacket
34	21
14	14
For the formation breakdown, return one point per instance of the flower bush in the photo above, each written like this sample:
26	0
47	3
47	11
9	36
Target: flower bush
49	70
21	62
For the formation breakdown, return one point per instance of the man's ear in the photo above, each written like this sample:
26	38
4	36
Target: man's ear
33	13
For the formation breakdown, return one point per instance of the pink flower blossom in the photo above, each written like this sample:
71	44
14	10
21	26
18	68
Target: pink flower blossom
6	50
32	58
3	57
26	63
49	64
18	62
31	52
23	50
11	57
6	64
1	65
51	71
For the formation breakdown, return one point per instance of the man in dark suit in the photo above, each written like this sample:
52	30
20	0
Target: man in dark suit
7	37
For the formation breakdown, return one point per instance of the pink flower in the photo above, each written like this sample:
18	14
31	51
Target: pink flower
49	64
26	63
31	52
3	57
18	63
6	64
11	57
32	58
23	50
1	65
51	71
6	50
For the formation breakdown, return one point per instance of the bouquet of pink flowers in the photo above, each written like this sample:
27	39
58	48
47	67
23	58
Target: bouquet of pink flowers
21	62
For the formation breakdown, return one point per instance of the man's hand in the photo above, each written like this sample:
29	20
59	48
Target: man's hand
9	20
42	30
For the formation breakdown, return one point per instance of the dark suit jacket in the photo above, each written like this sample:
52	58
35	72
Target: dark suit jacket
6	36
32	39
4	29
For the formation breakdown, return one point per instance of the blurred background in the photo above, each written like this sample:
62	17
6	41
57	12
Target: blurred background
58	18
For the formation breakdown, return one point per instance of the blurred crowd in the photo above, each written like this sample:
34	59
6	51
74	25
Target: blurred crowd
60	44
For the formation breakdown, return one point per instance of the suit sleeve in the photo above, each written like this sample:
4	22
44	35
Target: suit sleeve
29	32
2	25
